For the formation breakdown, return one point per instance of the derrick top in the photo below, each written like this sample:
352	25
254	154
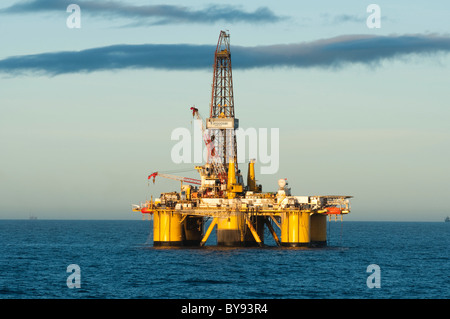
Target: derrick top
223	45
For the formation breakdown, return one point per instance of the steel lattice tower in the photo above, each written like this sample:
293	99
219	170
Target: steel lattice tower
222	102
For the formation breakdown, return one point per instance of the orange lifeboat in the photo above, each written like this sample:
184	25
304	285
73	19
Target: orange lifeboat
334	210
146	210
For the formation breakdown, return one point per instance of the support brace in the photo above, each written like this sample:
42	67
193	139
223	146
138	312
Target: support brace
272	231
254	233
208	232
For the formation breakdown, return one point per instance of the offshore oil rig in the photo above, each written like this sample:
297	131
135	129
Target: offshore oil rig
239	212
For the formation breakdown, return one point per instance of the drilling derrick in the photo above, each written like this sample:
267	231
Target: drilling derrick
222	123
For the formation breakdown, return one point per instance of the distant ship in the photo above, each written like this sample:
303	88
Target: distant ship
32	217
447	220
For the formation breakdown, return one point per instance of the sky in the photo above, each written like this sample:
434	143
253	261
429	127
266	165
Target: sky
86	114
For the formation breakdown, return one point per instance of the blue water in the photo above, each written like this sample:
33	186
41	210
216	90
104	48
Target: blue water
117	260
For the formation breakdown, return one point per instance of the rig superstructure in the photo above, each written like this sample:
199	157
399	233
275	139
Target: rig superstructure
239	212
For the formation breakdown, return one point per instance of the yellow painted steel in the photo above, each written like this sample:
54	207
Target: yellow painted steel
253	231
232	186
231	179
304	226
167	229
295	229
275	221
272	231
251	181
229	231
318	229
228	223
156	226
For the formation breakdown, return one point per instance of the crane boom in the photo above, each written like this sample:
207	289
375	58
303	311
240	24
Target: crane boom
208	141
177	178
212	156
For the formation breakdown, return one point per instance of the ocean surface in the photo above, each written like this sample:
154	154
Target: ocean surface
116	260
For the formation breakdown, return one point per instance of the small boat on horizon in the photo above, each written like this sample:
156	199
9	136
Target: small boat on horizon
447	219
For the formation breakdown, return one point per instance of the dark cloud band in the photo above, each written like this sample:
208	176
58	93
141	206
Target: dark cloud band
150	14
333	52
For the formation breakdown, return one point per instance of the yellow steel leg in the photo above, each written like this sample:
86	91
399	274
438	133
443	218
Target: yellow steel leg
229	230
295	229
254	233
318	230
167	230
208	232
272	231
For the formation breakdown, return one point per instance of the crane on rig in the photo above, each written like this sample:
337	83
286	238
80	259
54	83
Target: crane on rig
174	177
212	156
206	138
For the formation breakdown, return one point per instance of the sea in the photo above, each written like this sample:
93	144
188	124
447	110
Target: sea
115	259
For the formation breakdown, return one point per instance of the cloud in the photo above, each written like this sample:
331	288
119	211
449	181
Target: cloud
342	18
149	14
342	50
328	19
115	57
334	52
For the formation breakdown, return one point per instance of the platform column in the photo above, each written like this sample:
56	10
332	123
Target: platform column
229	231
238	229
193	230
318	230
167	229
295	229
